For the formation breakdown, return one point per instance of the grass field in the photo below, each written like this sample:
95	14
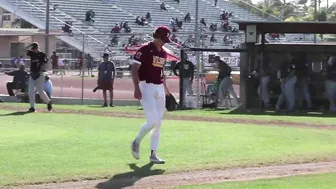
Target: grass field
44	147
322	181
312	118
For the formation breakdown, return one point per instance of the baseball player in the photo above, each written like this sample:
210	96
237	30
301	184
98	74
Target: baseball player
288	80
264	80
331	83
225	80
150	89
38	60
302	74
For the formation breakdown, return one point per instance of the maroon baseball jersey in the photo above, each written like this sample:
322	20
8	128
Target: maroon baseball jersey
152	63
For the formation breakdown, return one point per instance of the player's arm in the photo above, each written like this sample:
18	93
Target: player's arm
113	71
44	62
136	63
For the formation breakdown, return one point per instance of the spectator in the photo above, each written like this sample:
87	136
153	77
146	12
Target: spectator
125	25
173	38
67	27
80	62
114	41
172	22
21	61
20	79
178	1
163	6
54	62
213	27
178	23
148	17
213	39
89	16
203	22
61	66
14	61
187	17
89	64
106	75
227	40
116	28
138	21
224	16
144	21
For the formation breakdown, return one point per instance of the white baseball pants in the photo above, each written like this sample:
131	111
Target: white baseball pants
287	94
39	85
153	102
226	86
187	87
263	89
331	93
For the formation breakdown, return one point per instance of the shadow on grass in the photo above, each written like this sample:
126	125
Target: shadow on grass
129	178
19	113
96	106
272	113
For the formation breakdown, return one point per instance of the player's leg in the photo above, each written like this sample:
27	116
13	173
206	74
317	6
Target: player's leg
264	89
148	103
31	93
160	105
104	97
289	89
330	89
189	87
39	88
306	93
281	98
220	92
111	95
185	92
231	91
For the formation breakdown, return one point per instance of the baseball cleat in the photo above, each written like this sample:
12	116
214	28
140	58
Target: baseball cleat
31	110
49	106
156	160
135	150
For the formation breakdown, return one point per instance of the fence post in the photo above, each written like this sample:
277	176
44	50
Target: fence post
181	74
83	48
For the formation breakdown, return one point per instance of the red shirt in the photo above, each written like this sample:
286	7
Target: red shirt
152	63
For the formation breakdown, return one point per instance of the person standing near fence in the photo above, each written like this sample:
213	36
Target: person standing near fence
224	77
38	61
80	63
189	69
330	83
106	76
89	64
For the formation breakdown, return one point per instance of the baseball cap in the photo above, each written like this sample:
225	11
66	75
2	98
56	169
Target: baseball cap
105	55
163	33
34	45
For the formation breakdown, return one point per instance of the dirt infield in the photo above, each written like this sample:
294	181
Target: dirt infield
192	178
71	86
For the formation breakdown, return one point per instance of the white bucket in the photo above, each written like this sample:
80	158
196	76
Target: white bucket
191	101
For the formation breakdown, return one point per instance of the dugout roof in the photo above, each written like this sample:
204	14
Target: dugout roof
289	27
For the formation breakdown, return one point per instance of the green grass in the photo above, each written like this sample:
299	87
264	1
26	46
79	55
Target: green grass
56	147
321	181
313	118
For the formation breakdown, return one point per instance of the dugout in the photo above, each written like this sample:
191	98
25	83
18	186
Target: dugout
256	50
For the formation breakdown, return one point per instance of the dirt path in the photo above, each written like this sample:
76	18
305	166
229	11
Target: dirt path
185	118
192	178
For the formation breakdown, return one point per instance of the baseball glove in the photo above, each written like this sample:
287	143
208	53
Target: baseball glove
171	104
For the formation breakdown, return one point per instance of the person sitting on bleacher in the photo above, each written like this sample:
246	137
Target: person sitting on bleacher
89	15
114	41
144	21
67	27
227	40
148	17
213	39
187	17
172	22
163	6
20	79
116	28
203	22
213	27
138	21
178	23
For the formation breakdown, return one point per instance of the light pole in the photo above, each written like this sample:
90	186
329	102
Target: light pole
315	16
46	39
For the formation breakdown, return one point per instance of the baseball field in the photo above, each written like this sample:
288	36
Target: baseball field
86	147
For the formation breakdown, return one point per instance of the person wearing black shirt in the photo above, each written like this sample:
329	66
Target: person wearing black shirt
331	83
38	60
302	74
224	77
288	79
188	74
19	80
264	75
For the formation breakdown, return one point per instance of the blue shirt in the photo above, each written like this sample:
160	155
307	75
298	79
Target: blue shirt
106	71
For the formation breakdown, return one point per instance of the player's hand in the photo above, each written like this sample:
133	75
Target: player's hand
137	94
